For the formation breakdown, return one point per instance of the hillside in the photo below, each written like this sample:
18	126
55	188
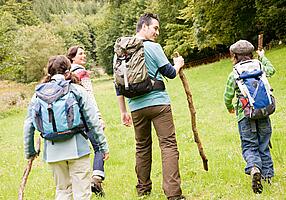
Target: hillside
218	131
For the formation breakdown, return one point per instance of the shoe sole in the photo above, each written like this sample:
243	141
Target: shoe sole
256	183
98	191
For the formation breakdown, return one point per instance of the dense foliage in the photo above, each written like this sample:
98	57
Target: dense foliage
33	30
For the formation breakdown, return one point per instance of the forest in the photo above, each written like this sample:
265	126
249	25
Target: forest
33	30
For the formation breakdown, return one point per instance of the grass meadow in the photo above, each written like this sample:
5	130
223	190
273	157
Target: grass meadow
217	129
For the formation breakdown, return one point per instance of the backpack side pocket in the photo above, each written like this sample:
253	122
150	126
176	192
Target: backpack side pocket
37	121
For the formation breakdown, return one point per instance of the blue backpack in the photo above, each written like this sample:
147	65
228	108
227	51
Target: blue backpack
256	94
56	112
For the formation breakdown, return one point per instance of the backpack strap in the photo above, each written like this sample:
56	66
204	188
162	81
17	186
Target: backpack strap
158	68
52	117
253	126
51	120
82	118
158	85
76	68
236	71
148	40
156	74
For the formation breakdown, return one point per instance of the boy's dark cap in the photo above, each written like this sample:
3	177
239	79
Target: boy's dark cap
242	47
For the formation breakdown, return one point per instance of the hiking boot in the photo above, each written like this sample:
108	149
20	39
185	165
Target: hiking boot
96	186
256	180
268	180
181	197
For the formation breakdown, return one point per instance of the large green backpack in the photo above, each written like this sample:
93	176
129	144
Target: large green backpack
130	72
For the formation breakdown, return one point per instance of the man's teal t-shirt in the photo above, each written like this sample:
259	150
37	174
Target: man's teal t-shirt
154	59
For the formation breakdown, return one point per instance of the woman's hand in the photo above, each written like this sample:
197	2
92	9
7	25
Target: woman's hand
105	156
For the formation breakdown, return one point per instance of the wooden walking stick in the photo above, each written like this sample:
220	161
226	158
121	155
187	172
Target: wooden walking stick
260	41
193	115
27	170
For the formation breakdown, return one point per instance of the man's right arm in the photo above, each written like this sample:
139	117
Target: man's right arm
178	63
162	62
170	71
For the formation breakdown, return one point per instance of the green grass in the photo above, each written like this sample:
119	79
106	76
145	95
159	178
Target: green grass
217	129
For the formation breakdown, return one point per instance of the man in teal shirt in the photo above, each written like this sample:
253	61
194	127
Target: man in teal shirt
154	107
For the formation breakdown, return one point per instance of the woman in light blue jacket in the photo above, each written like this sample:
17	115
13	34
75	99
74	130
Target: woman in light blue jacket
69	159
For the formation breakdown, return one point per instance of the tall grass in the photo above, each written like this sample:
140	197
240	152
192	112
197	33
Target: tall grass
218	131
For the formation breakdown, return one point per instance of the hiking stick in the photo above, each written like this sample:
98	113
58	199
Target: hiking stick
27	170
260	41
193	116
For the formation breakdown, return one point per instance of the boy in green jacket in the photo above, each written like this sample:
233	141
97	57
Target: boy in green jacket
254	133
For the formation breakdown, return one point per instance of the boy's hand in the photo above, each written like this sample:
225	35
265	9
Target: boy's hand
260	53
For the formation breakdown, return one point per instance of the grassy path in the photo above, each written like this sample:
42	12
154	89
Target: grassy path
217	129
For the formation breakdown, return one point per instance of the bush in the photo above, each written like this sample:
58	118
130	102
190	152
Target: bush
106	23
8	27
21	11
74	29
35	45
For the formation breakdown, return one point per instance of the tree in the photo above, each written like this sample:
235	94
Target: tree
23	12
271	19
209	23
46	9
130	13
8	28
107	23
35	45
169	12
74	29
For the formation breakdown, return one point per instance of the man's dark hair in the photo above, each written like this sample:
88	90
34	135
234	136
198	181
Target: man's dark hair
146	19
